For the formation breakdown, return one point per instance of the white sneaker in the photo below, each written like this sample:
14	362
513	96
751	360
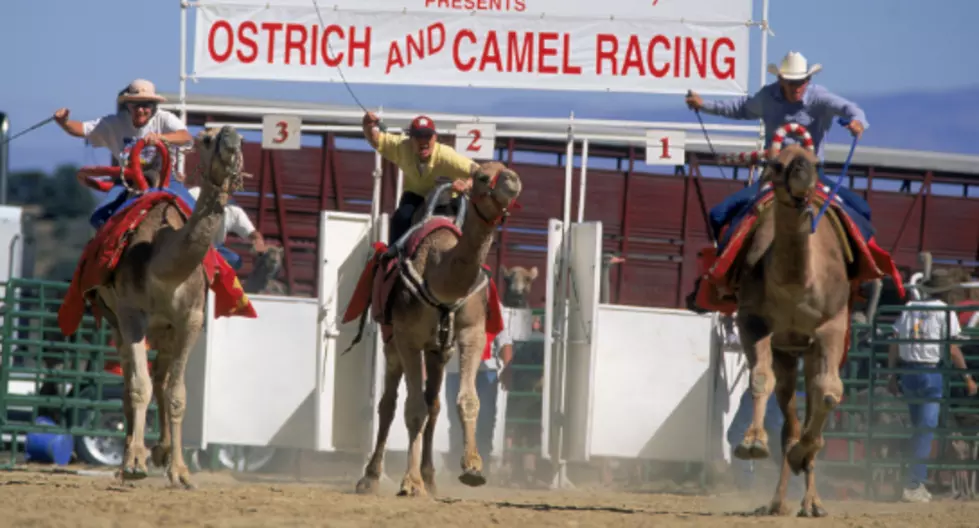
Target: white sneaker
919	494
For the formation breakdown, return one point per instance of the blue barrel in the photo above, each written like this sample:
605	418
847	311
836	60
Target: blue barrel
49	447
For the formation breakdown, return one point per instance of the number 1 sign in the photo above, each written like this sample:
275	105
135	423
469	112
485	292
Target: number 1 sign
665	147
475	141
281	132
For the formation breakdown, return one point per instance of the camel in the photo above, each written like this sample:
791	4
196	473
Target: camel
158	293
792	302
519	281
262	279
450	269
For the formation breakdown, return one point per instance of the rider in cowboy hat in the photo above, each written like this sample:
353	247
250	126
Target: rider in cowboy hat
793	98
137	117
422	159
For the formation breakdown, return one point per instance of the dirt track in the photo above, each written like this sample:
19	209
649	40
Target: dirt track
34	498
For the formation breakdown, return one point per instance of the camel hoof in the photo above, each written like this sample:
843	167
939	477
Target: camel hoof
815	511
751	451
799	457
160	456
412	491
367	485
472	478
134	473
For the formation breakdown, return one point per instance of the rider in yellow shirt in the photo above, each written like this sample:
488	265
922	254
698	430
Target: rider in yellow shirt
422	159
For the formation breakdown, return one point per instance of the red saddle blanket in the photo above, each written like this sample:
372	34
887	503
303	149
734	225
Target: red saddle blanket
870	260
102	254
380	275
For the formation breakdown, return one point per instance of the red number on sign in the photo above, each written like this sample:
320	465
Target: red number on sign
283	132
476	134
665	142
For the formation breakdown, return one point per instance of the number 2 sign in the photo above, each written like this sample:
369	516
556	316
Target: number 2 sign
281	132
665	147
475	141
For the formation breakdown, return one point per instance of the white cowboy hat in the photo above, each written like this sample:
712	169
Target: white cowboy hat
794	67
140	90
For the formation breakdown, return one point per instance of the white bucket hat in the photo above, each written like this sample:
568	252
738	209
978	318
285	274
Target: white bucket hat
794	67
140	90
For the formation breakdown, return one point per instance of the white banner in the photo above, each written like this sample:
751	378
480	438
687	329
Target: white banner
648	46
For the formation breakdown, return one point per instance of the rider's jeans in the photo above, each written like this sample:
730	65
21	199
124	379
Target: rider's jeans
401	219
230	256
927	383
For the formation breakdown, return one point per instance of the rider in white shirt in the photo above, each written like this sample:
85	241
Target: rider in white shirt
137	116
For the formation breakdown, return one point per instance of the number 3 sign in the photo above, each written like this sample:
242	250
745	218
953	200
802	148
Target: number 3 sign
281	132
665	147
475	141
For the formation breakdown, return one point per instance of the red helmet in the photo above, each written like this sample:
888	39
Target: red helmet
422	126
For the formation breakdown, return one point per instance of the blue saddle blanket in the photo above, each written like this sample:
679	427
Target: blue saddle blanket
734	208
119	198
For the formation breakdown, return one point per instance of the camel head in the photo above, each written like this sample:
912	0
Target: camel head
494	190
794	175
519	281
221	158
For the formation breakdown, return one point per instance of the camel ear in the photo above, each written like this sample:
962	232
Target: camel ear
533	273
505	271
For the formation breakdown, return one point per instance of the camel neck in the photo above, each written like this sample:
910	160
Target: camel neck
456	272
790	247
191	242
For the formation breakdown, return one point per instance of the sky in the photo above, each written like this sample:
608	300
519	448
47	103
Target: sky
80	54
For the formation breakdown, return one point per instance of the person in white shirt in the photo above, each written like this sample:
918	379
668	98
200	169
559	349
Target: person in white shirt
925	382
137	116
235	221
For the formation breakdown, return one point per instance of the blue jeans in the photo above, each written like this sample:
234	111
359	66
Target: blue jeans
924	384
487	387
233	258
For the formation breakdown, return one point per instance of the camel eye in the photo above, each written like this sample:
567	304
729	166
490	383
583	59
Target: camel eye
483	177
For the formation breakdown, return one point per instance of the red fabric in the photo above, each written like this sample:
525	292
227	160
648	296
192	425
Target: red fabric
102	253
365	286
964	315
494	318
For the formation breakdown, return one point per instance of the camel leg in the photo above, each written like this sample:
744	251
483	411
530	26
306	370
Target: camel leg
176	397
416	415
435	369
385	415
756	340
138	391
824	390
161	374
786	367
471	342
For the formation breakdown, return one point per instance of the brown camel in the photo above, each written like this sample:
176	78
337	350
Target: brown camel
158	292
451	268
793	302
519	281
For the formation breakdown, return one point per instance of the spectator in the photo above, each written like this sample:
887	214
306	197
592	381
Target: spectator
925	381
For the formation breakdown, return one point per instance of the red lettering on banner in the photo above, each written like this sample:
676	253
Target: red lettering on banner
430	41
455	50
248	42
566	66
438	29
364	45
526	57
313	53
479	5
545	52
687	54
394	58
271	28
491	53
332	62
296	44
728	72
226	28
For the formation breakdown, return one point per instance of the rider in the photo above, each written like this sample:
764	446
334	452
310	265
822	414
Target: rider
791	99
137	116
421	158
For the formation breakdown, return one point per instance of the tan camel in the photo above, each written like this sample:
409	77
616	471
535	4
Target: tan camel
158	293
793	302
419	349
518	282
